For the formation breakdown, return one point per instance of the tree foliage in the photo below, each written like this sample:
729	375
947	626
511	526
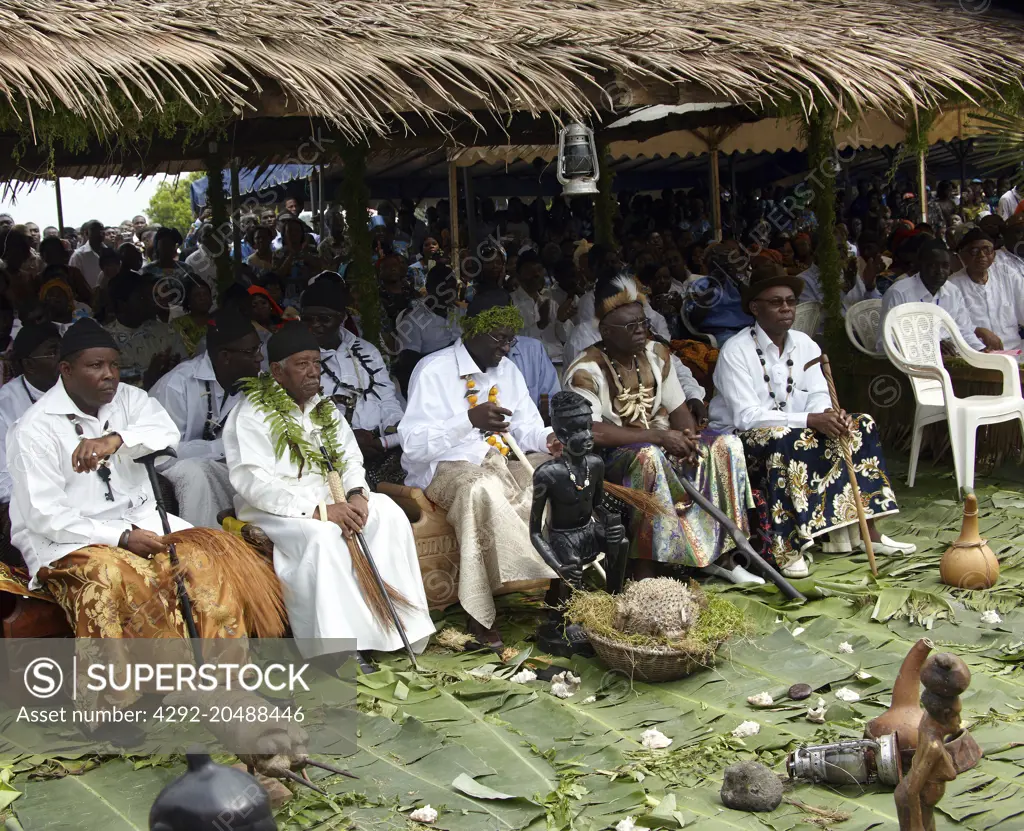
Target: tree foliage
171	205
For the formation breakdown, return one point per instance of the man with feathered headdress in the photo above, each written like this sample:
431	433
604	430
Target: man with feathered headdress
464	403
649	439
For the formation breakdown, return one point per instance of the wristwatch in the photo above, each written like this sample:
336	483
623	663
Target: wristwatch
356	492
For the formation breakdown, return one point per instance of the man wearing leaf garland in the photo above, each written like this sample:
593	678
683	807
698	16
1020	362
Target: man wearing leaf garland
273	443
464	402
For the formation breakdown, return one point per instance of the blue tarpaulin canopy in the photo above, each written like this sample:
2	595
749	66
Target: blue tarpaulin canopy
251	180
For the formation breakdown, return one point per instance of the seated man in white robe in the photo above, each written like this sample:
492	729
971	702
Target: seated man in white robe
199	394
356	378
272	441
84	516
463	401
931	285
35	352
994	295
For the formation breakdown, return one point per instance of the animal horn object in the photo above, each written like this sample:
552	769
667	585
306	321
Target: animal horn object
969	563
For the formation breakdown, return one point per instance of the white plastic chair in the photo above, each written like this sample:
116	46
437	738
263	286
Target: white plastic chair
910	334
807	317
862	320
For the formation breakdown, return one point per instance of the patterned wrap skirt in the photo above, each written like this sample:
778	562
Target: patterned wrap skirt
802	486
685	535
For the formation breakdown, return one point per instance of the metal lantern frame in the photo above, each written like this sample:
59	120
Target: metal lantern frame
576	185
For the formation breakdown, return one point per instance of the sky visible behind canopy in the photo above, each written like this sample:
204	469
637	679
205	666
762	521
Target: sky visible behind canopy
109	201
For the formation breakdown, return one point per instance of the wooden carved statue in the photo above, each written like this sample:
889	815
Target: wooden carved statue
945	677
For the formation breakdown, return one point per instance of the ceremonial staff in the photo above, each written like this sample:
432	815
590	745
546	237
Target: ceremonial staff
359	549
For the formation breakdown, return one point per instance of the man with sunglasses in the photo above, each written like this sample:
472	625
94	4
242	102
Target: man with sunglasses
198	395
36	349
355	376
464	402
790	432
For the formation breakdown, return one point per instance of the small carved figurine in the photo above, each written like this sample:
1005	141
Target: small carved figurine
210	797
945	678
573	488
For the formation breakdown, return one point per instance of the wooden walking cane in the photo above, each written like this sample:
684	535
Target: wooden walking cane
381	598
844	443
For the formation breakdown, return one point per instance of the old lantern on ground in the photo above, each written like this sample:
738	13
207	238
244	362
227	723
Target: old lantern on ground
577	161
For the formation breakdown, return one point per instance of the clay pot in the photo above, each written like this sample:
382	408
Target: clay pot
969	563
905	713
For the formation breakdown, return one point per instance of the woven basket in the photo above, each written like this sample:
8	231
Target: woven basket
649	663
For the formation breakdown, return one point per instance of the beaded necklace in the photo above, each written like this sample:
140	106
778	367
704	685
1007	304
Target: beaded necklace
24	384
777	405
495	440
572	476
211	429
103	471
630	405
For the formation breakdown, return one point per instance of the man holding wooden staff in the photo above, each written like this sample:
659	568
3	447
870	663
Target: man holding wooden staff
781	408
274	443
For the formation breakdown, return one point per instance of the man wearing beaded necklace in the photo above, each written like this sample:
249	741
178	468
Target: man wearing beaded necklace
464	402
272	442
356	377
649	440
198	395
83	513
790	432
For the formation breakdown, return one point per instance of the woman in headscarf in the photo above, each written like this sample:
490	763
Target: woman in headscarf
266	314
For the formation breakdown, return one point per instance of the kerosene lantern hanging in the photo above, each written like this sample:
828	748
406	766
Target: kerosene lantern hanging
578	167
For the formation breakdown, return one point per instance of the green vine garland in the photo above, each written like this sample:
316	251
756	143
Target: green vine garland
355	197
490	319
279	409
821	157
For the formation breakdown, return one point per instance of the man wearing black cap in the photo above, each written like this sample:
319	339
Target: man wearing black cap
198	395
35	352
356	378
994	296
83	513
273	441
783	413
464	401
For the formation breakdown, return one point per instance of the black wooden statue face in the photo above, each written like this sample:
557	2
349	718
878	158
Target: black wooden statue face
211	797
575	432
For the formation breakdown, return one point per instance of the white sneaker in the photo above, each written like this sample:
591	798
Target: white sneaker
736	575
889	547
797	568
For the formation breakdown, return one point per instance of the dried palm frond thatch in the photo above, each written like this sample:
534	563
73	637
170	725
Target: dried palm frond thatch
362	64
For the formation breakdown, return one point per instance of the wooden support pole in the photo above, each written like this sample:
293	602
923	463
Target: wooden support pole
467	190
922	184
236	216
716	196
60	206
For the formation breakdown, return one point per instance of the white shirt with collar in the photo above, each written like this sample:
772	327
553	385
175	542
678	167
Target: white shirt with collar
1010	263
87	260
15	399
55	510
743	398
358	368
949	298
420	329
530	310
1008	203
436	427
191	395
997	304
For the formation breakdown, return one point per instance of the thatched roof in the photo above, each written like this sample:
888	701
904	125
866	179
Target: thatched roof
360	64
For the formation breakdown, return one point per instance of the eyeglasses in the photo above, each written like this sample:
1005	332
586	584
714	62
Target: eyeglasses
778	302
248	353
633	328
980	251
49	356
504	342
